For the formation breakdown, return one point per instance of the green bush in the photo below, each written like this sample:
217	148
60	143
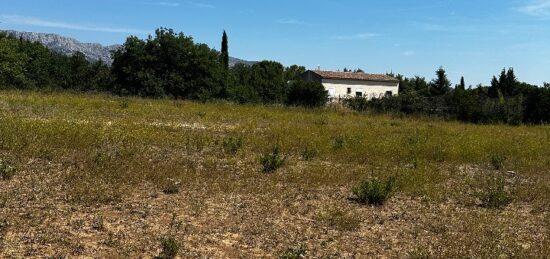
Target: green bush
170	248
308	94
7	171
339	142
171	186
232	145
495	195
374	191
357	103
309	154
272	160
294	252
497	161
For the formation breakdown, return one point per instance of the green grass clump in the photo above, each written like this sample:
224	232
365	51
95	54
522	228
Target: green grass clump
170	248
497	161
374	191
7	171
171	186
308	154
339	219
495	195
294	252
232	145
273	160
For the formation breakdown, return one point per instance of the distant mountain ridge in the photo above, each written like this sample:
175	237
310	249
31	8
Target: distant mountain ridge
93	51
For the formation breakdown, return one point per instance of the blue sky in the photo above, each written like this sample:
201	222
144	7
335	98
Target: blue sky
471	38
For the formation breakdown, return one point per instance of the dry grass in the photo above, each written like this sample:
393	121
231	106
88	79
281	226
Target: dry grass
103	176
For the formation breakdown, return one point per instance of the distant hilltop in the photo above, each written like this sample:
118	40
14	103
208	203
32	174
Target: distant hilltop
93	51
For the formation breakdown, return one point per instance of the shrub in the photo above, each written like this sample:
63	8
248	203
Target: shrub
232	145
339	142
309	94
495	195
309	154
294	252
357	103
497	161
374	191
272	160
170	248
171	186
7	171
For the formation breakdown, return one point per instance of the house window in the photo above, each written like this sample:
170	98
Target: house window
349	90
359	94
389	93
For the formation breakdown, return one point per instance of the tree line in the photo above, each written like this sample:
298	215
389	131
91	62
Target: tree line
506	100
171	65
166	65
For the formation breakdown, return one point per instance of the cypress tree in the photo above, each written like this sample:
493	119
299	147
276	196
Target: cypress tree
224	56
462	85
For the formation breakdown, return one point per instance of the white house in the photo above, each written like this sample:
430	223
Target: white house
352	84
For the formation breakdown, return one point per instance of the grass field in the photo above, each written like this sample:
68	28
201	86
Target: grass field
102	176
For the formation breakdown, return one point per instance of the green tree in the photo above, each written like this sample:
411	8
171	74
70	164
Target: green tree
462	85
294	73
170	64
441	84
268	78
309	94
224	55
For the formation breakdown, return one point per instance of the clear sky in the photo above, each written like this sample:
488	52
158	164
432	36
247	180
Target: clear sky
474	38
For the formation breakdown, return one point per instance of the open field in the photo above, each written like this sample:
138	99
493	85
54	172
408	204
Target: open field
102	176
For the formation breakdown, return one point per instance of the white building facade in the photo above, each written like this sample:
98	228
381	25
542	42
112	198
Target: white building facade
341	85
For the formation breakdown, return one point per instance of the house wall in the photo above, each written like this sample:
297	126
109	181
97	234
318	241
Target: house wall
338	88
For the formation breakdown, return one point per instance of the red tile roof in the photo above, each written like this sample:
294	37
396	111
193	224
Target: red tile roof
354	76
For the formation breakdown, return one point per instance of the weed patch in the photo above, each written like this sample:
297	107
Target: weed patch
294	252
169	248
374	191
232	145
340	219
273	160
308	154
7	170
494	194
498	160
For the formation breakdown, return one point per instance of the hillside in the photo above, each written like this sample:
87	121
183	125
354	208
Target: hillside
102	176
93	51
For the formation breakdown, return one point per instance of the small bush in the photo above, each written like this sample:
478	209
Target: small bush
374	192
232	145
495	195
7	171
170	248
497	161
294	252
339	142
272	161
309	154
171	186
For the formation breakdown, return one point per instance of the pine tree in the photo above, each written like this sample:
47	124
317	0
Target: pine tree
441	84
224	56
511	83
